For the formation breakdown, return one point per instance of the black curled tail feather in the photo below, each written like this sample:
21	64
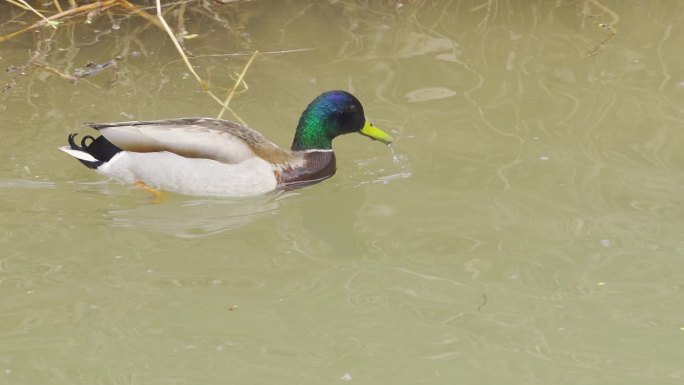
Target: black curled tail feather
99	148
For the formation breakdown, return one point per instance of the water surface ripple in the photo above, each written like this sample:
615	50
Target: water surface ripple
524	228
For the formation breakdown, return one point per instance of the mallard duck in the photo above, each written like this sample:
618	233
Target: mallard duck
214	157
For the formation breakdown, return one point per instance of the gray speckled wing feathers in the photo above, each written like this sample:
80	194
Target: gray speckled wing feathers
216	139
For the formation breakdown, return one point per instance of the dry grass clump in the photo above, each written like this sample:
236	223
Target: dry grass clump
56	14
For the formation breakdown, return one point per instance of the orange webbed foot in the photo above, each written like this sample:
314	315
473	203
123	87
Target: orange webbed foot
157	195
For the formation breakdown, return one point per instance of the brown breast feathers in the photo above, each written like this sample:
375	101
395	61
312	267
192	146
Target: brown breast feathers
318	166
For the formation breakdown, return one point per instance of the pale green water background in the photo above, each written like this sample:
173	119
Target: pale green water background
527	230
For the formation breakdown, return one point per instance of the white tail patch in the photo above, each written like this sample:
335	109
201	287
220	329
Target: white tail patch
79	154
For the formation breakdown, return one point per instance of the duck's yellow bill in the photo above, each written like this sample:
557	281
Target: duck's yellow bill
375	133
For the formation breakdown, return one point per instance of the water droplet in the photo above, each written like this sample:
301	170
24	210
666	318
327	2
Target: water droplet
395	158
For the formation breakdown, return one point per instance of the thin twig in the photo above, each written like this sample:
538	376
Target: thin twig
484	302
53	24
101	5
137	10
168	30
54	70
181	25
237	83
57	5
610	27
203	84
18	5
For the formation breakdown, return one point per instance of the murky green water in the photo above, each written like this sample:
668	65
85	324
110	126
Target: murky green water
526	229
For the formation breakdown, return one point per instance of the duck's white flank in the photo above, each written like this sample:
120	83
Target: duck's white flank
194	176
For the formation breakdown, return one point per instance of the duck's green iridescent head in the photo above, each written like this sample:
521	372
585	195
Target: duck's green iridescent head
331	114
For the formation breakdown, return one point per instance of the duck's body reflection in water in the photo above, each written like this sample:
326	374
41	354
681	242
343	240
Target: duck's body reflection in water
196	218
